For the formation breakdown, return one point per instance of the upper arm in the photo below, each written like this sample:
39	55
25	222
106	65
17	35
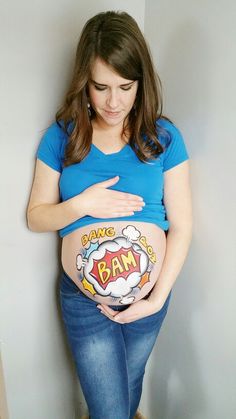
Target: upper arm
45	188
177	195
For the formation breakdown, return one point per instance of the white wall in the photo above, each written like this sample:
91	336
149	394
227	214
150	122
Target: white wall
38	41
192	370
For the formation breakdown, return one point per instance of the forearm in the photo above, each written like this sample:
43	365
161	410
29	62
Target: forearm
178	241
53	217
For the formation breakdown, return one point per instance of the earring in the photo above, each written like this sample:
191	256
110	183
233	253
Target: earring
89	110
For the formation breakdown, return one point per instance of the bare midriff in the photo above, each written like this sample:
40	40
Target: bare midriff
116	262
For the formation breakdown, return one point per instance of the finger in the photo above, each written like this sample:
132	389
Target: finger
126	196
109	316
109	312
120	318
106	314
109	182
123	211
107	309
128	204
131	314
129	208
123	316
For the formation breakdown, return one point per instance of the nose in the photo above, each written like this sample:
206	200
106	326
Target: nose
113	99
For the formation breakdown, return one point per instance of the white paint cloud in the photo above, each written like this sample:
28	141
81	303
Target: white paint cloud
131	233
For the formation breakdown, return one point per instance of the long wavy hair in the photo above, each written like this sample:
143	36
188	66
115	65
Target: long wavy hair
115	38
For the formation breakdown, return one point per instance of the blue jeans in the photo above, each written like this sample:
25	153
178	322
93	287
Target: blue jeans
110	357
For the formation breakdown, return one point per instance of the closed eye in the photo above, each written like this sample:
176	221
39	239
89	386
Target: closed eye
126	88
101	89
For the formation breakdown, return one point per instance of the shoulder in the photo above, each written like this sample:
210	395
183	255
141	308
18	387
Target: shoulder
55	133
51	149
171	139
167	131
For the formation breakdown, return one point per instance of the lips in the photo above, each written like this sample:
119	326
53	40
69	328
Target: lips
114	114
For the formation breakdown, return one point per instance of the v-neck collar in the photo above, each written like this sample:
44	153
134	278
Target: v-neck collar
124	150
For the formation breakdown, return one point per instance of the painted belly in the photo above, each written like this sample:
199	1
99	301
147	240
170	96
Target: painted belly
116	263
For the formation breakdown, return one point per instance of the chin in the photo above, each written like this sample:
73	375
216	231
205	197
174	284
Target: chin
112	122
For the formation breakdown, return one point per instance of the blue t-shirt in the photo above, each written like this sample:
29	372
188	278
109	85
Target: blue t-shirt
136	177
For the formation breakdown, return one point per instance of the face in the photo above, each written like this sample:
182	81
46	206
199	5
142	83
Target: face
111	96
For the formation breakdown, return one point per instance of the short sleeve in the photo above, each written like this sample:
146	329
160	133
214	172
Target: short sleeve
51	149
175	152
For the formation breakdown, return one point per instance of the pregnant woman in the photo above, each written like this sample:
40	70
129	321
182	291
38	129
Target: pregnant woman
112	175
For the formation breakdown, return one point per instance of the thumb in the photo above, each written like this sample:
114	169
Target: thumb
109	182
120	318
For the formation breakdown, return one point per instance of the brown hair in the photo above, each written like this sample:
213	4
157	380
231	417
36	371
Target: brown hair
115	38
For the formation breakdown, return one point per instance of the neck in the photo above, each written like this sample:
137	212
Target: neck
100	126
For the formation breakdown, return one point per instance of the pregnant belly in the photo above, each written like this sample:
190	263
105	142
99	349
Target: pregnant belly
114	263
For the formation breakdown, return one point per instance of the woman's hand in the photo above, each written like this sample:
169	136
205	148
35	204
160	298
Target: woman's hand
135	311
100	202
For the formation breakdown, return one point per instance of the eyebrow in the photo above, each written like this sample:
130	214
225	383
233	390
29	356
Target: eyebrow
104	85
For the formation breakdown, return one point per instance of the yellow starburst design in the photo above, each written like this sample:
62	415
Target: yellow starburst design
87	286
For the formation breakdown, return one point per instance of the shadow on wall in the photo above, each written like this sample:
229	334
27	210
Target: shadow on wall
176	383
182	395
186	68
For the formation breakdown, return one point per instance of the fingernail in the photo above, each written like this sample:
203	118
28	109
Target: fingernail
117	318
